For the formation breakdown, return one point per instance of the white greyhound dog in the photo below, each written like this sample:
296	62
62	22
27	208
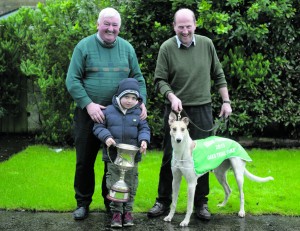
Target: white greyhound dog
183	164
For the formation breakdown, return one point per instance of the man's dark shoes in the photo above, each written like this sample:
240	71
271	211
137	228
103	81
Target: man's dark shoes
81	213
158	209
203	213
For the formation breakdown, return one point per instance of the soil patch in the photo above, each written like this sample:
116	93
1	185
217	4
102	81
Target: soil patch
13	143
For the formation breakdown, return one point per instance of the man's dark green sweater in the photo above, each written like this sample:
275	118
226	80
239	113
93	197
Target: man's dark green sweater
96	69
188	72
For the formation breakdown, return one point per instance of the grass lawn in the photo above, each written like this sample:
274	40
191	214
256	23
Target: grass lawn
41	179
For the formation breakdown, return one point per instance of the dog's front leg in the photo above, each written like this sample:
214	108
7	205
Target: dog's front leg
191	194
177	176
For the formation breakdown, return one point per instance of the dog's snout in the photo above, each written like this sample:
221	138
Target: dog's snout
178	140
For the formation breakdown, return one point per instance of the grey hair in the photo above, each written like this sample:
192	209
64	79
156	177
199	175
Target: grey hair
109	12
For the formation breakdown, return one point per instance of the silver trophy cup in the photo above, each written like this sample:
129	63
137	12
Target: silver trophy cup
119	192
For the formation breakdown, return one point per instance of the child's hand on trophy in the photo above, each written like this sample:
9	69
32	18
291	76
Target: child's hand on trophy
143	147
110	141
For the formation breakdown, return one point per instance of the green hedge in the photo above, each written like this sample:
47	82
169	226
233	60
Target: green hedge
256	42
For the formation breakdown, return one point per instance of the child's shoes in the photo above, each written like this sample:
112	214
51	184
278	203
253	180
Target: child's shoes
127	219
116	221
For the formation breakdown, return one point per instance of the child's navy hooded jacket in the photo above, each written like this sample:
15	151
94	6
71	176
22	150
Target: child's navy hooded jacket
128	128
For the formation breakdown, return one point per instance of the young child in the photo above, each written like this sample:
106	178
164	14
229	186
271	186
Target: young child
123	125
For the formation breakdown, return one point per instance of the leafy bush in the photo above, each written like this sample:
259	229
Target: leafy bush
147	24
257	42
255	62
11	48
57	27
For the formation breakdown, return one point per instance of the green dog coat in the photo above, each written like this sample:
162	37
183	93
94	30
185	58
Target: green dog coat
210	152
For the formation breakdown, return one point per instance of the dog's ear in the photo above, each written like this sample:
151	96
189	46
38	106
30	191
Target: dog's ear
172	118
185	120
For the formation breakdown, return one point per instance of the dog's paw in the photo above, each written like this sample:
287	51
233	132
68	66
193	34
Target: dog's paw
184	223
168	218
242	214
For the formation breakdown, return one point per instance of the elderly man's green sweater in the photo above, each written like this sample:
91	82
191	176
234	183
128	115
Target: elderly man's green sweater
188	72
96	69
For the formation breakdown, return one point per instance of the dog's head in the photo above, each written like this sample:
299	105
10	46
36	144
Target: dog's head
178	128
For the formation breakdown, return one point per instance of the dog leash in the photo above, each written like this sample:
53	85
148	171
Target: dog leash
213	129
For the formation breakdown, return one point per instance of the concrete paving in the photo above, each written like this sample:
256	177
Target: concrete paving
33	221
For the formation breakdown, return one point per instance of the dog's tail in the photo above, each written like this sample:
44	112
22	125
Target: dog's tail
257	178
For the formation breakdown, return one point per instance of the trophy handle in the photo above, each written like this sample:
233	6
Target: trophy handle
107	149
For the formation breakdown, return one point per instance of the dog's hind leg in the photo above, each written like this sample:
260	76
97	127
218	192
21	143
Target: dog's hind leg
221	175
240	182
177	176
238	167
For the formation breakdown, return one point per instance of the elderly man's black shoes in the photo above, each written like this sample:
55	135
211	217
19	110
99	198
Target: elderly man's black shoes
81	213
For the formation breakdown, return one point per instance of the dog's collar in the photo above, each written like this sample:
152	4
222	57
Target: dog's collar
174	160
179	160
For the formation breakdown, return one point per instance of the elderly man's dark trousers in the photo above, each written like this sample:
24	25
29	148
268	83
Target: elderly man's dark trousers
87	146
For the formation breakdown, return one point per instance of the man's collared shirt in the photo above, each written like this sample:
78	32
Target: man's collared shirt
179	43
